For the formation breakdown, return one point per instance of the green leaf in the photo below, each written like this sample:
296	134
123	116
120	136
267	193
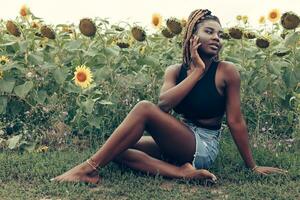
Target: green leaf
102	73
29	147
3	104
41	96
261	85
8	44
279	91
105	102
48	66
274	68
22	90
110	52
73	45
72	88
147	60
292	40
53	99
88	106
91	52
7	85
13	141
36	58
290	78
23	46
60	75
94	121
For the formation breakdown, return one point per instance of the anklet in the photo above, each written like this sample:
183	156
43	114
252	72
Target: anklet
254	168
91	163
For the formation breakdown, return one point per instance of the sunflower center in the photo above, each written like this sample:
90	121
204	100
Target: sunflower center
155	21
273	15
81	77
3	62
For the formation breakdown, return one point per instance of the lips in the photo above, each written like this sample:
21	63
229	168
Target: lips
214	45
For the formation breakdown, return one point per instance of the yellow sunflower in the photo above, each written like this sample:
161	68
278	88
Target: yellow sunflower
262	20
274	15
24	11
4	60
183	22
239	17
245	19
35	24
156	20
42	149
83	76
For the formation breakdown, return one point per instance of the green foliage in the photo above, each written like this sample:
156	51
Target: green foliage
38	87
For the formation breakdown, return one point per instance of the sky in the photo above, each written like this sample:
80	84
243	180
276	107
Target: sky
140	11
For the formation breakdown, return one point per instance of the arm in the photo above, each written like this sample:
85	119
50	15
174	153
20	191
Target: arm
171	94
237	123
235	120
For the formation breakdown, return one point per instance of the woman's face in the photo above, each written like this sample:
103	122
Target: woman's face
209	33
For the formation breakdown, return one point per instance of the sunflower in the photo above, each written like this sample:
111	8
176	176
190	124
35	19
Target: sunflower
4	60
12	28
274	15
165	32
239	17
156	20
138	33
263	42
83	76
245	19
142	50
42	149
35	24
174	25
262	20
290	20
47	32
24	11
183	22
249	34
236	32
123	45
87	27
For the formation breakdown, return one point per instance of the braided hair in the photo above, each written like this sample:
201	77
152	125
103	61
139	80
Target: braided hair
195	18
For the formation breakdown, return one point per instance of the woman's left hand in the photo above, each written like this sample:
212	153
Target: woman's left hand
268	170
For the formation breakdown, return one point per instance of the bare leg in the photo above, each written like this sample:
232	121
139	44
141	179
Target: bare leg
167	131
141	161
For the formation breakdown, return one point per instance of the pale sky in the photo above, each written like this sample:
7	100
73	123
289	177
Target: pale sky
140	11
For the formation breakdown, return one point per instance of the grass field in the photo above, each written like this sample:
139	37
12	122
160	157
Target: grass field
26	176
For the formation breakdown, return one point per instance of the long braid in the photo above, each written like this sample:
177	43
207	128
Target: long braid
196	17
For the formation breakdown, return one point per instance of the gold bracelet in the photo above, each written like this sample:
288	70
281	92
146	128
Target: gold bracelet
91	163
254	167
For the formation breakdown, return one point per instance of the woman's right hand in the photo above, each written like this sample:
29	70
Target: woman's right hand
197	63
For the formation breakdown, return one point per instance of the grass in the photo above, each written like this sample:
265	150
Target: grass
26	176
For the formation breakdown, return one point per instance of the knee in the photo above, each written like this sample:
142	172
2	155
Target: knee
145	107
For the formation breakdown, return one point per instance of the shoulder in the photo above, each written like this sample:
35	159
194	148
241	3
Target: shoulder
173	70
229	71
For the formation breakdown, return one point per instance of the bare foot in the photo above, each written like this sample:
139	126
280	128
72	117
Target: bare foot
189	172
80	173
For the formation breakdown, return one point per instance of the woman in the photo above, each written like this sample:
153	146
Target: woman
202	89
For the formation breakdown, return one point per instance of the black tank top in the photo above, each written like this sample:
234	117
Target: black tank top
204	100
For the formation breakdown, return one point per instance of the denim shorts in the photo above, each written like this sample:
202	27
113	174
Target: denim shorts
207	145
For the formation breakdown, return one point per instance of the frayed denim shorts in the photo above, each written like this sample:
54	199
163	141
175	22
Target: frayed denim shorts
207	145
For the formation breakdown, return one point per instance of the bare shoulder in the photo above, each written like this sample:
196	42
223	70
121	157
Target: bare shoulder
173	70
230	71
